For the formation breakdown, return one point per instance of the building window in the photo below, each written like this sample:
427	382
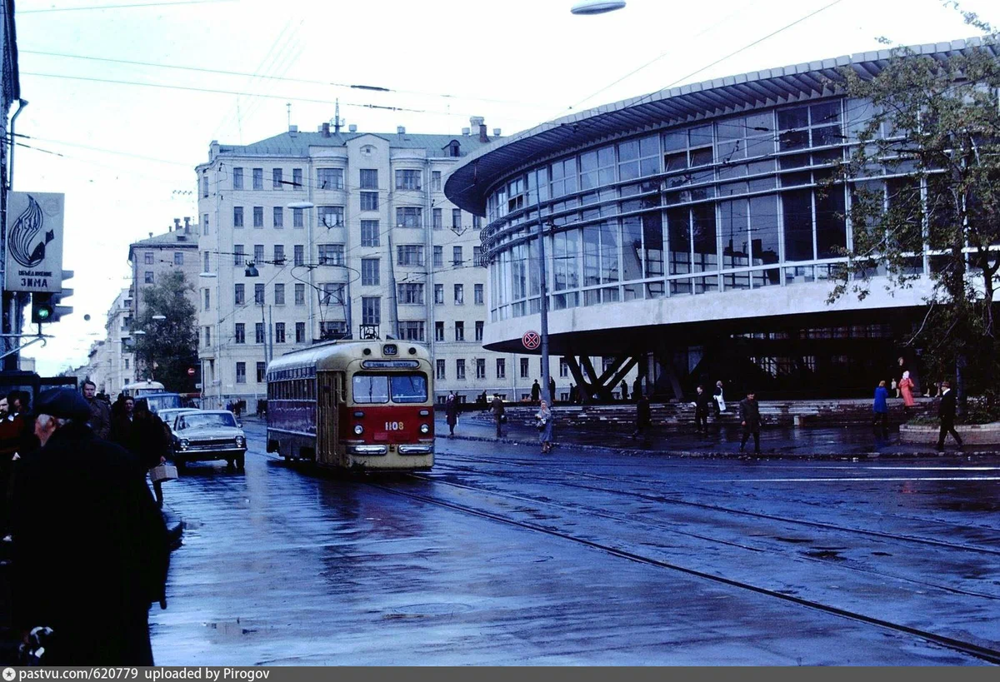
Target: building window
208	299
261	372
477	293
479	330
501	368
148	279
204	224
279	332
477	257
258	253
332	329
241	372
524	368
459	294
208	342
436	181
147	258
438	294
237	178
276	181
409	216
330	178
439	331
204	186
439	369
279	294
237	216
207	263
410	254
460	370
300	294
411	330
297	220
238	255
371	310
408	179
456	218
480	368
300	332
460	331
258	294
241	333
332	293
331	254
369	201
258	216
456	256
299	254
477	222
410	294
563	367
370	272
438	220
369	233
279	217
439	256
258	332
258	178
369	178
330	216
297	177
279	254
239	297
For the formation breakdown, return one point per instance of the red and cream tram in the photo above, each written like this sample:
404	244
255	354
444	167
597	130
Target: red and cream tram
353	405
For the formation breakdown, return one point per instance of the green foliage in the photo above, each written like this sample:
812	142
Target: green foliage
172	344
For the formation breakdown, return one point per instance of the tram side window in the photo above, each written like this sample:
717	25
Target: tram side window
370	389
408	388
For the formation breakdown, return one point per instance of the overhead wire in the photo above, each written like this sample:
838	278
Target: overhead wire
98	8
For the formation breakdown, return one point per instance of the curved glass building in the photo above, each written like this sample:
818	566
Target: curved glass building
691	231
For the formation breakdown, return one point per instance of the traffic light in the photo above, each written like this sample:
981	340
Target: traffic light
42	307
58	311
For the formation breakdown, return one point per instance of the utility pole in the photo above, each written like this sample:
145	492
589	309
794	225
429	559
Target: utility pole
545	305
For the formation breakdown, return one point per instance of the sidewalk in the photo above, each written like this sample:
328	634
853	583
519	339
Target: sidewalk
722	440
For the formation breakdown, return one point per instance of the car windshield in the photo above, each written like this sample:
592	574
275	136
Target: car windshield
373	389
199	421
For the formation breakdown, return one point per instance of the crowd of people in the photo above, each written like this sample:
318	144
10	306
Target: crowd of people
88	545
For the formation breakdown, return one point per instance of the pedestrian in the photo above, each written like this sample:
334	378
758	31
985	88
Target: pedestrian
572	394
121	422
946	412
536	392
637	389
880	406
544	425
643	417
894	386
498	413
451	411
552	390
16	441
701	400
624	391
100	415
906	390
90	547
719	399
750	421
149	441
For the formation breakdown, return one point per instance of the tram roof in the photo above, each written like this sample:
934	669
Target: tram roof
321	355
469	183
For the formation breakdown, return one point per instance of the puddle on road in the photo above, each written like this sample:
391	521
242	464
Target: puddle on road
234	629
831	554
797	541
426	610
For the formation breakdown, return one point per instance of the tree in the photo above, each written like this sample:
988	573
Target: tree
925	177
169	347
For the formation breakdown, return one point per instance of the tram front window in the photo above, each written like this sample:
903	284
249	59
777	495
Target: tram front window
371	389
408	388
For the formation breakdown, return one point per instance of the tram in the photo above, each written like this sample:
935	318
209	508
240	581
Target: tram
353	405
138	389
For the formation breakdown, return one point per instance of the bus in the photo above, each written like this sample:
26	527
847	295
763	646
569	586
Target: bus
363	405
139	389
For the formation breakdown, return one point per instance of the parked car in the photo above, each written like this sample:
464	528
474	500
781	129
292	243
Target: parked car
206	435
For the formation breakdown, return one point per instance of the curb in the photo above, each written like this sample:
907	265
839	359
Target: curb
731	454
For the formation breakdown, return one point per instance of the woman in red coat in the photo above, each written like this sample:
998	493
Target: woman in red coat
906	389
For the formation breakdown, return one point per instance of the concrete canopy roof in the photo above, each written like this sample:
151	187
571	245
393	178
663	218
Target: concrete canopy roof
469	183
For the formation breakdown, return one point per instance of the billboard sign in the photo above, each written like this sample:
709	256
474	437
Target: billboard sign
34	241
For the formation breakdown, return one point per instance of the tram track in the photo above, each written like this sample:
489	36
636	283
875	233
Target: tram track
987	654
664	499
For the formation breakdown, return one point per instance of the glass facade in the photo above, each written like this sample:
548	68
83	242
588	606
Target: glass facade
742	202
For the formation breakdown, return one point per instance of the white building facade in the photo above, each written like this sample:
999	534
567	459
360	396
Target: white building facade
312	236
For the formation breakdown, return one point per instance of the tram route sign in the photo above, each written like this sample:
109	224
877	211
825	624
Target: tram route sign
531	340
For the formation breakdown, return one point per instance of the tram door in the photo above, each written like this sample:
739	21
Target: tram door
326	418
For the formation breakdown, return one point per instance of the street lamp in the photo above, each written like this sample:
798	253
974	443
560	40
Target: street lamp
596	6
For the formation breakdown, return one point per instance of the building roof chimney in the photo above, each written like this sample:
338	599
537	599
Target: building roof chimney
187	223
476	121
293	130
496	132
352	128
465	131
177	223
326	130
483	137
400	130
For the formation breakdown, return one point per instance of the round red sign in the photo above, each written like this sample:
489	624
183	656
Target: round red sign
531	340
190	371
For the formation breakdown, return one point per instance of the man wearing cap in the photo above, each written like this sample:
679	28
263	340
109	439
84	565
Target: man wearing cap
90	546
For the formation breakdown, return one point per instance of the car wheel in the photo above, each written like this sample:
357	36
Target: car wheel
240	461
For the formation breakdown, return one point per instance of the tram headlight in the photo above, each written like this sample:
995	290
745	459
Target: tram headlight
425	429
358	429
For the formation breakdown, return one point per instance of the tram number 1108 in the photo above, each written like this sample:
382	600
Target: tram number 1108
394	426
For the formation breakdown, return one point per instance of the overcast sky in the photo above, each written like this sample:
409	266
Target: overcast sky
129	151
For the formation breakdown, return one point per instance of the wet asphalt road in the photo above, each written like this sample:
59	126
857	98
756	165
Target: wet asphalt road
500	556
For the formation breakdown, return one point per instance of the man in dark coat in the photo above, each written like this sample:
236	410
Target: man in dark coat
701	401
90	546
750	421
536	391
451	412
497	408
100	414
946	412
643	417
